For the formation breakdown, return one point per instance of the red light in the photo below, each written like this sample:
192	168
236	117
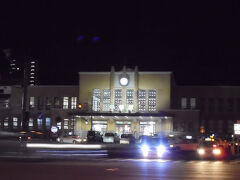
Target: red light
29	138
214	145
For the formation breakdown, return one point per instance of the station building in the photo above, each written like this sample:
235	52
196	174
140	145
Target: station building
131	101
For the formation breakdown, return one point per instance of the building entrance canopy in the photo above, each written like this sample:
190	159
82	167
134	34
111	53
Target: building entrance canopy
137	124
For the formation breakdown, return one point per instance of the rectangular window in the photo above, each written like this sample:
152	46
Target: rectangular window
65	102
30	123
15	122
184	103
152	100
211	105
202	104
220	105
59	125
230	105
65	124
117	99
48	103
193	103
73	102
31	102
4	103
130	99
238	104
39	103
48	122
106	99
39	123
5	123
72	123
56	102
141	100
96	100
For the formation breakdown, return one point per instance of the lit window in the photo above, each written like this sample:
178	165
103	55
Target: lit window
59	125
30	123
5	123
48	122
32	102
142	100
184	103
32	66
4	103
74	103
65	124
39	123
152	94
106	99
15	122
193	103
65	102
130	98
96	100
118	99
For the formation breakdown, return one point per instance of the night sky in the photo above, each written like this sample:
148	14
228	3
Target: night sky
198	40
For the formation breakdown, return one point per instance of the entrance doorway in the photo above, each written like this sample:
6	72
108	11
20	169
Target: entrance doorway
100	126
147	128
123	127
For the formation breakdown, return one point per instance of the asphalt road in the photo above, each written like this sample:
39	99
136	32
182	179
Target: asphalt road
120	169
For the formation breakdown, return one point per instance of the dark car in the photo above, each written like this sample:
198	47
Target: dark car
154	147
94	136
127	139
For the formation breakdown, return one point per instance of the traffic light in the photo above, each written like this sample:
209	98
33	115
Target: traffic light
80	106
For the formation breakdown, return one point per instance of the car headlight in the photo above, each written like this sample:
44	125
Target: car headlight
161	150
201	151
84	140
145	150
79	140
58	139
216	151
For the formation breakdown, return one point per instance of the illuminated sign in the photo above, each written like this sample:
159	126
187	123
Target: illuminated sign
237	129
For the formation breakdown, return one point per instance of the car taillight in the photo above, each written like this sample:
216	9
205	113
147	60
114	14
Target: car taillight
29	138
214	145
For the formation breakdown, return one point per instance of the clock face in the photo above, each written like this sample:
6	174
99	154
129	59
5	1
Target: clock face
124	81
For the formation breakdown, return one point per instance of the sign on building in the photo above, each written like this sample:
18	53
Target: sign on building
237	129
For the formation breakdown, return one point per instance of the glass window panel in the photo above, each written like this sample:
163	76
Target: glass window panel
65	102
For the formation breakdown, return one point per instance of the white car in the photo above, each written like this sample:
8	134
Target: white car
111	138
71	139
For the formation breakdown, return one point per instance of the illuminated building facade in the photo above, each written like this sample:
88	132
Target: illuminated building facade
129	101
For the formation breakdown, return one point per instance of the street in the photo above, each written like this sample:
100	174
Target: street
120	169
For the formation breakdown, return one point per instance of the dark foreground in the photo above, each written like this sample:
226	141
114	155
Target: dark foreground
120	169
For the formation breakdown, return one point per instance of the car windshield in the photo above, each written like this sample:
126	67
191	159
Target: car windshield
91	133
155	141
126	135
206	144
109	134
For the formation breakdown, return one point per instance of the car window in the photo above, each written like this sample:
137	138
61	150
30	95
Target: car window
109	134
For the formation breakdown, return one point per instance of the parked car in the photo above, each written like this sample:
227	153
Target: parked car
70	139
94	136
127	139
111	138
